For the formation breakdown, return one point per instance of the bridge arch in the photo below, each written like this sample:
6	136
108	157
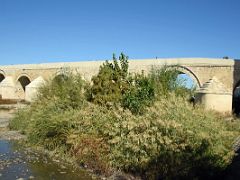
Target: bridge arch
22	81
187	71
2	76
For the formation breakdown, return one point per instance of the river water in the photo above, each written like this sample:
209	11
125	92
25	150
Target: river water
18	162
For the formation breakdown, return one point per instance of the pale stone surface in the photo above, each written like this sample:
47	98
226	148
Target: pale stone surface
218	102
214	86
8	89
199	69
213	95
32	88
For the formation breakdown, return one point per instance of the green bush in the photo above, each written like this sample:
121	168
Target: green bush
170	140
113	85
21	120
165	81
139	95
65	91
110	82
144	89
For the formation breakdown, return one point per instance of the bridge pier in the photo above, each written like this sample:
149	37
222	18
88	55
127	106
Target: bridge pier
32	88
214	96
8	89
23	89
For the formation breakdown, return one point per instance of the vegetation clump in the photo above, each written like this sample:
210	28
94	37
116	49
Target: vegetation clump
149	129
111	82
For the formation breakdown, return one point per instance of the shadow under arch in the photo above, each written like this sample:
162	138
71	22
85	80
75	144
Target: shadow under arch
22	81
2	77
184	70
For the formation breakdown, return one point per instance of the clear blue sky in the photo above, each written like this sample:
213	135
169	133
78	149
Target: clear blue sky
36	31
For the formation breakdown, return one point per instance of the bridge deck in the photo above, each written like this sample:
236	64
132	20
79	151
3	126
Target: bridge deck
133	62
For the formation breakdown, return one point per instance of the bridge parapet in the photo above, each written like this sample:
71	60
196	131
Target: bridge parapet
201	70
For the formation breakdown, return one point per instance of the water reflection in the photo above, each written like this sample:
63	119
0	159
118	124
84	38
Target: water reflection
17	162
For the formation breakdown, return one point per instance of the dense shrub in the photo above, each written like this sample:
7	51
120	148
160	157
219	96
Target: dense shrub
159	83
65	91
165	81
110	82
139	95
170	140
114	85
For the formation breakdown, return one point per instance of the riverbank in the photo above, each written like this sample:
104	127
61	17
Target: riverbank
17	161
20	161
6	113
94	136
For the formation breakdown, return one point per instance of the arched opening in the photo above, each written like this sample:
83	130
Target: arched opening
236	100
2	77
186	81
186	86
21	84
24	81
186	77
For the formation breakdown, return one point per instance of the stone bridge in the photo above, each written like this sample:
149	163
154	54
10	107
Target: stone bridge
217	79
